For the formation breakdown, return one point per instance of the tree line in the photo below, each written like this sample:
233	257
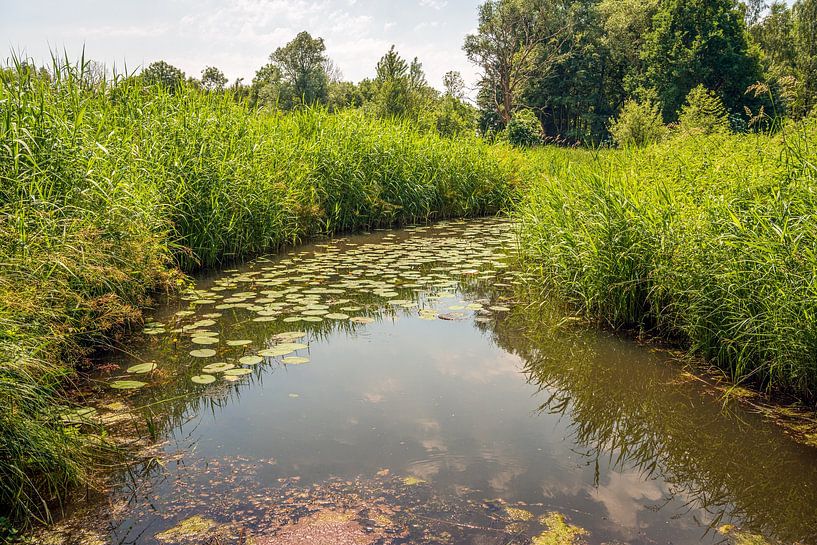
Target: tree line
569	71
300	74
579	67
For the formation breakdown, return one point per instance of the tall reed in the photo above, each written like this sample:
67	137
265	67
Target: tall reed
708	241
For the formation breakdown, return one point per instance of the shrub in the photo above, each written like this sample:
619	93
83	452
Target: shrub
703	113
638	124
524	129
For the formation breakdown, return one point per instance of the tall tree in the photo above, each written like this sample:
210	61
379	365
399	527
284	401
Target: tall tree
805	45
213	79
571	94
163	74
696	42
266	87
514	38
774	36
454	84
302	63
753	11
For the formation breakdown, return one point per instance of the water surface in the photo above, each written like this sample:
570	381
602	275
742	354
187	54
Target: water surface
431	402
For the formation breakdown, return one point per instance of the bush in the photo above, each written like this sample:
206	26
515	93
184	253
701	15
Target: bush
638	124
524	129
703	113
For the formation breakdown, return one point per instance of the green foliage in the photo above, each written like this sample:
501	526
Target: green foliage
703	113
638	124
213	79
699	42
164	75
515	40
107	190
524	129
455	118
302	63
805	45
708	242
401	91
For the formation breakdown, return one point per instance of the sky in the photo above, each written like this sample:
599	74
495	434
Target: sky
238	36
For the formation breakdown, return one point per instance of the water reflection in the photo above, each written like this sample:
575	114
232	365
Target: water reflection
647	420
432	417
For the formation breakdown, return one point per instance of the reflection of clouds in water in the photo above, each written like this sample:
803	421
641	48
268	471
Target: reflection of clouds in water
501	481
571	484
480	367
430	436
624	496
377	392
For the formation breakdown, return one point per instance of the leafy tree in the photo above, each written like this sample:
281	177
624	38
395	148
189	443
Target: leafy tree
571	92
401	89
638	124
343	94
805	46
774	36
454	116
302	64
703	113
624	25
392	80
699	42
753	11
266	87
213	79
454	85
514	39
163	74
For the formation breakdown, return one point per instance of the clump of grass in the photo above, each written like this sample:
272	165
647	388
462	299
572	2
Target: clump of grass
109	188
709	241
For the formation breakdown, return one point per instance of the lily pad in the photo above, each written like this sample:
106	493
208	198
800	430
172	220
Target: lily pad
275	352
250	360
240	342
337	316
237	372
204	340
362	320
203	379
142	368
203	353
217	367
295	360
127	385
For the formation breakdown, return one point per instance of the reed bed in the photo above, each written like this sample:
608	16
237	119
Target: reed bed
110	189
707	241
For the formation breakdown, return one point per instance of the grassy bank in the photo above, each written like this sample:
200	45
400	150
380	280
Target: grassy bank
107	191
708	241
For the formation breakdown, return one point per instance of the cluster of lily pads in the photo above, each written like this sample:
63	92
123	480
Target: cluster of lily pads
344	283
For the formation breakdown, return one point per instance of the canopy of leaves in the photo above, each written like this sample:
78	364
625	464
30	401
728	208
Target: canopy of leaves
163	74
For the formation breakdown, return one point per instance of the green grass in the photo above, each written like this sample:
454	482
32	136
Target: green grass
108	190
710	242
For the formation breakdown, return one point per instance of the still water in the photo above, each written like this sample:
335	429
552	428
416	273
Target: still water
398	387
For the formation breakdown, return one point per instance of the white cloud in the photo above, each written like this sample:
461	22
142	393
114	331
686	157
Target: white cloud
434	4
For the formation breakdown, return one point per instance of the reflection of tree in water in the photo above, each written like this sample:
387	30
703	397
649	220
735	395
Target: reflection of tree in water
645	416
